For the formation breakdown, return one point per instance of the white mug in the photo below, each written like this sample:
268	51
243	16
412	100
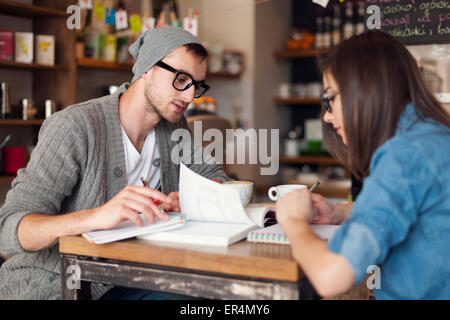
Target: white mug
283	190
245	189
284	90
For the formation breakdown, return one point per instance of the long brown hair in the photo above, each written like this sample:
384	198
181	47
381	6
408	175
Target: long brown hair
377	77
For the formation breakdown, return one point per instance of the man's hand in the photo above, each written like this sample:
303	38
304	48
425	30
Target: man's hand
127	204
174	204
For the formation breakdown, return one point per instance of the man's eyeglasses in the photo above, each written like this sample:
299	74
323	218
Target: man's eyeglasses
326	98
184	81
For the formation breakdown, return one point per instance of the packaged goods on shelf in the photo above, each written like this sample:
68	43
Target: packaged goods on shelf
7	45
93	45
45	49
24	47
110	48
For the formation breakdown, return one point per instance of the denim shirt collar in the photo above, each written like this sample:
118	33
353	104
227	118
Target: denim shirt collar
407	118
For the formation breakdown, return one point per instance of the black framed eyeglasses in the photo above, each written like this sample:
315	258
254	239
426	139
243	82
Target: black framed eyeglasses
184	81
326	98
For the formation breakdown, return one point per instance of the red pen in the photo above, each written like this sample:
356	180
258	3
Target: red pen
156	201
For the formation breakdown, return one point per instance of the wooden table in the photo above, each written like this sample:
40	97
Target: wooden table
241	271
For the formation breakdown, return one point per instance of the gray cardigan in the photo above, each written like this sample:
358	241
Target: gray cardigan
77	164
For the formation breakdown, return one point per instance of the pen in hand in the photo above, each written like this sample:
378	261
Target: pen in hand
314	187
156	201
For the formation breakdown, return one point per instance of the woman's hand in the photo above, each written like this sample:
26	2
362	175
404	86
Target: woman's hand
295	206
324	211
327	213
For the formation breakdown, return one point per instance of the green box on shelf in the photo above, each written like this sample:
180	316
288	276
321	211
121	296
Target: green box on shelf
93	45
110	48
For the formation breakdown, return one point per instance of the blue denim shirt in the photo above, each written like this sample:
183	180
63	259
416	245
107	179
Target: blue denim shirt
401	219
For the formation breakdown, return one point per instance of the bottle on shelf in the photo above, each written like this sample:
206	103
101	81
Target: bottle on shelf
327	32
336	33
5	102
348	28
319	33
360	25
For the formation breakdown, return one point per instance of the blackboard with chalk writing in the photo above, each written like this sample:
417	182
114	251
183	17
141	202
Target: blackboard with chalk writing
415	21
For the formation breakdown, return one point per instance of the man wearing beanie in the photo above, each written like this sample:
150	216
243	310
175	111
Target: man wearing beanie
84	174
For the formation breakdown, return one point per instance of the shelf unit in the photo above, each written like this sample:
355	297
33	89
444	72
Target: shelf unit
20	122
4	179
327	189
18	9
320	160
48	17
32	66
297	101
299	54
222	75
58	82
102	64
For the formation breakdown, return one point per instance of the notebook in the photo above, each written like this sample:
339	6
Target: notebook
275	234
214	212
129	229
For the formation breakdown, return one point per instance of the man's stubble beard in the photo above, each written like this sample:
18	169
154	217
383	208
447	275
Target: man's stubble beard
151	106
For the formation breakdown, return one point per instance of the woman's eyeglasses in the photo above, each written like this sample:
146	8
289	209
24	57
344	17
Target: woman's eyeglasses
326	98
184	81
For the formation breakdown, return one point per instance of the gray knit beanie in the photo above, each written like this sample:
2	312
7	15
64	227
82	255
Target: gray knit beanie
155	44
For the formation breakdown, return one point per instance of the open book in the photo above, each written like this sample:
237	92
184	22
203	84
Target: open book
215	215
129	229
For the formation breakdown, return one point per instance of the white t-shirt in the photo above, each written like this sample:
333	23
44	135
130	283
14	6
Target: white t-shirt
143	164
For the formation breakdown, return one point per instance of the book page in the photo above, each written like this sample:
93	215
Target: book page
202	199
204	233
258	214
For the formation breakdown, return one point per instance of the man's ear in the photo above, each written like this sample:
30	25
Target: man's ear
147	74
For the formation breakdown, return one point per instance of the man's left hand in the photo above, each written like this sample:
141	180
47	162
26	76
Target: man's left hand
174	203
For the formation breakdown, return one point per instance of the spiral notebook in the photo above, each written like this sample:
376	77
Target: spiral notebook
275	234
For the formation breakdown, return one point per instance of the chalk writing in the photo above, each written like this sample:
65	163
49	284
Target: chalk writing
414	21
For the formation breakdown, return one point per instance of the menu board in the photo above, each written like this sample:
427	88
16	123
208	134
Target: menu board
415	21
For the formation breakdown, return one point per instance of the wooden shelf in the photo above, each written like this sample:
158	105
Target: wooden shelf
299	101
6	179
19	9
323	160
32	66
326	190
102	64
291	54
20	122
222	75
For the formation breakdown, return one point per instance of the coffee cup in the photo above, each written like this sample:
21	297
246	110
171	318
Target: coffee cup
245	189
278	192
284	90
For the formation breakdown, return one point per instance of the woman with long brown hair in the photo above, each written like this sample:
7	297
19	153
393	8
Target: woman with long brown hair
381	120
